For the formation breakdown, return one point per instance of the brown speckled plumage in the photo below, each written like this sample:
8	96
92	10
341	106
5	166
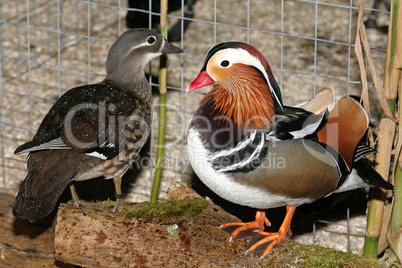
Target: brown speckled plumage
92	130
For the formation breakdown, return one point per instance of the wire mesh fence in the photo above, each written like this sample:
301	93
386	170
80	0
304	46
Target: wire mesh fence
48	47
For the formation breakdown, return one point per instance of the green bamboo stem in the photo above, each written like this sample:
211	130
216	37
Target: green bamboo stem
391	90
377	195
162	109
392	31
160	149
396	218
395	81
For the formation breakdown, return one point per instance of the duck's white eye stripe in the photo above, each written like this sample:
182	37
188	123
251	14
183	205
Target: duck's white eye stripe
146	43
239	55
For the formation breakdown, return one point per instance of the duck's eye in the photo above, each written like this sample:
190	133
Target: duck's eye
225	63
151	40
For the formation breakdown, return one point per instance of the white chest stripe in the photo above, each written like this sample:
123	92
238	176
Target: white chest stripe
235	149
248	160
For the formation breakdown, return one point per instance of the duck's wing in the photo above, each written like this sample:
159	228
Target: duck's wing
90	119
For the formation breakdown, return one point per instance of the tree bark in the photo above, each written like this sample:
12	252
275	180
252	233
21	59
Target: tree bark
93	238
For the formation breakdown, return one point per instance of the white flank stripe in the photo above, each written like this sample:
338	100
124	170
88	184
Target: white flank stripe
237	148
248	160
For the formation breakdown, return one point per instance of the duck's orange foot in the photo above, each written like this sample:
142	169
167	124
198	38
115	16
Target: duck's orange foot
263	242
239	230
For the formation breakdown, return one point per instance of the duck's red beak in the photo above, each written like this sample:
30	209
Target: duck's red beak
202	80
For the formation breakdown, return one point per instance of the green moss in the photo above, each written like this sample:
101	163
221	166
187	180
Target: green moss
163	210
317	256
107	204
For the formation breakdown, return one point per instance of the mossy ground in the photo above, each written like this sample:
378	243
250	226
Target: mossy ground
293	254
181	217
286	254
165	210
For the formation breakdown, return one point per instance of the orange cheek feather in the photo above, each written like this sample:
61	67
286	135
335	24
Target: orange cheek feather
244	96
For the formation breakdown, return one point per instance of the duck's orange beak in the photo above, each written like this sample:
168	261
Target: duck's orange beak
202	80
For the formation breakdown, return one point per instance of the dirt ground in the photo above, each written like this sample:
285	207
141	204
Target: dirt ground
309	45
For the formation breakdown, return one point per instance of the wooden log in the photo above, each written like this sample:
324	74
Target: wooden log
92	238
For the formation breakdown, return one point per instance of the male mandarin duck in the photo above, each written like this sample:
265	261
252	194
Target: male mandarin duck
250	149
93	130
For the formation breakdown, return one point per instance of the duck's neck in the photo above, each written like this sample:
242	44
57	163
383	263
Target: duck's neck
246	100
132	82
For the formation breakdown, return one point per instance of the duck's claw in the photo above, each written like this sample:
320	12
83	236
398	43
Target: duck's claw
239	230
262	242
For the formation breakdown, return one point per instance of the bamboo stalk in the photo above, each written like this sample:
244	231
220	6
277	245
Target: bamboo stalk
395	253
377	196
390	91
395	80
385	140
162	107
